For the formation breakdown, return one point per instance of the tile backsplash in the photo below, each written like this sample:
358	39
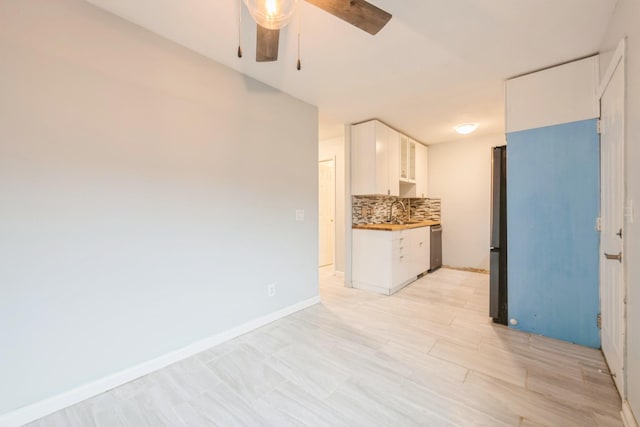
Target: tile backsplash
375	209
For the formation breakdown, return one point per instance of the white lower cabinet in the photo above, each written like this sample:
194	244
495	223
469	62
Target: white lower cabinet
386	261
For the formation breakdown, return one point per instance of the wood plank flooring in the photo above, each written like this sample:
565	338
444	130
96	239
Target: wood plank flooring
427	356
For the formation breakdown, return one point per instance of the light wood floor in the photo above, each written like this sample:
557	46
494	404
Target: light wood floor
425	356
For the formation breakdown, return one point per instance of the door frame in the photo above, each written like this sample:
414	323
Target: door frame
618	60
332	159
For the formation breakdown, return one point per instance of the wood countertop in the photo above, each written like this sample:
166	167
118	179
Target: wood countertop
395	227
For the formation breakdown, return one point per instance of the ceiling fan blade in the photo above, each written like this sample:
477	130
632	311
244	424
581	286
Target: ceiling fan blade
267	44
360	13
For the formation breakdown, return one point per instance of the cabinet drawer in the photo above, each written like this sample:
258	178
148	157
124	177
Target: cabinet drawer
401	269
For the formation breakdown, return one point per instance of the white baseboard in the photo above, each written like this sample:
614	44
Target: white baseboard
363	286
48	406
627	416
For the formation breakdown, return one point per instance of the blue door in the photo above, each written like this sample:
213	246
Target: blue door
553	245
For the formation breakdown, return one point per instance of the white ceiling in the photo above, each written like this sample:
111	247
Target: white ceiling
436	63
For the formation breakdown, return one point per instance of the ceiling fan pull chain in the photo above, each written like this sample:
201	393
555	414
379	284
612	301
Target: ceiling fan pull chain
239	29
299	65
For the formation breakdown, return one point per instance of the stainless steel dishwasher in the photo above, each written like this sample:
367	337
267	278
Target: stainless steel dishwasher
436	247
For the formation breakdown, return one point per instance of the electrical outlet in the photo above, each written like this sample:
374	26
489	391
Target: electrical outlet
271	290
299	214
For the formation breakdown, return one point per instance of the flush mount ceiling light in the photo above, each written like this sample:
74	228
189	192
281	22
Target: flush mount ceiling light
466	128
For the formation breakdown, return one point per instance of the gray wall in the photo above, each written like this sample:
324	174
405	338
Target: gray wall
625	23
460	174
148	198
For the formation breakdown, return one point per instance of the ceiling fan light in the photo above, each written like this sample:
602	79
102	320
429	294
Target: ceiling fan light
466	128
271	14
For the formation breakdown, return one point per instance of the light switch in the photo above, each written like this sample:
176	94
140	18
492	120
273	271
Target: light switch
299	214
629	213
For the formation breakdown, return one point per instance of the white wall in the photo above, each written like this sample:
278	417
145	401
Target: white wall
625	23
334	148
148	198
557	95
460	174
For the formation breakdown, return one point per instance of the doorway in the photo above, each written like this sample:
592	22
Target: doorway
612	199
327	209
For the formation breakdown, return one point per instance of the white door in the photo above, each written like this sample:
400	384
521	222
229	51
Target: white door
612	287
326	203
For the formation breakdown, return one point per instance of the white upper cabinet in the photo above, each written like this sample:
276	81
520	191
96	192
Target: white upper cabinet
386	162
374	159
407	159
422	160
383	151
394	160
363	158
412	160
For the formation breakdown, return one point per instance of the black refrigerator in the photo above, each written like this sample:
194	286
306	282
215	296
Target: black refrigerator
498	309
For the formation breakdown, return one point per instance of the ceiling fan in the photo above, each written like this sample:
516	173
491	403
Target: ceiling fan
271	15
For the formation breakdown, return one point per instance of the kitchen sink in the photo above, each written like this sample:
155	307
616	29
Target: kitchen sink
404	222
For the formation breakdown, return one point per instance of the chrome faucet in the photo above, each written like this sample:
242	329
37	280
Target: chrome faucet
404	209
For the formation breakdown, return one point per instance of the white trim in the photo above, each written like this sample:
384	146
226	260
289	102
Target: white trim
380	289
618	60
596	88
48	406
348	209
618	55
335	212
627	416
